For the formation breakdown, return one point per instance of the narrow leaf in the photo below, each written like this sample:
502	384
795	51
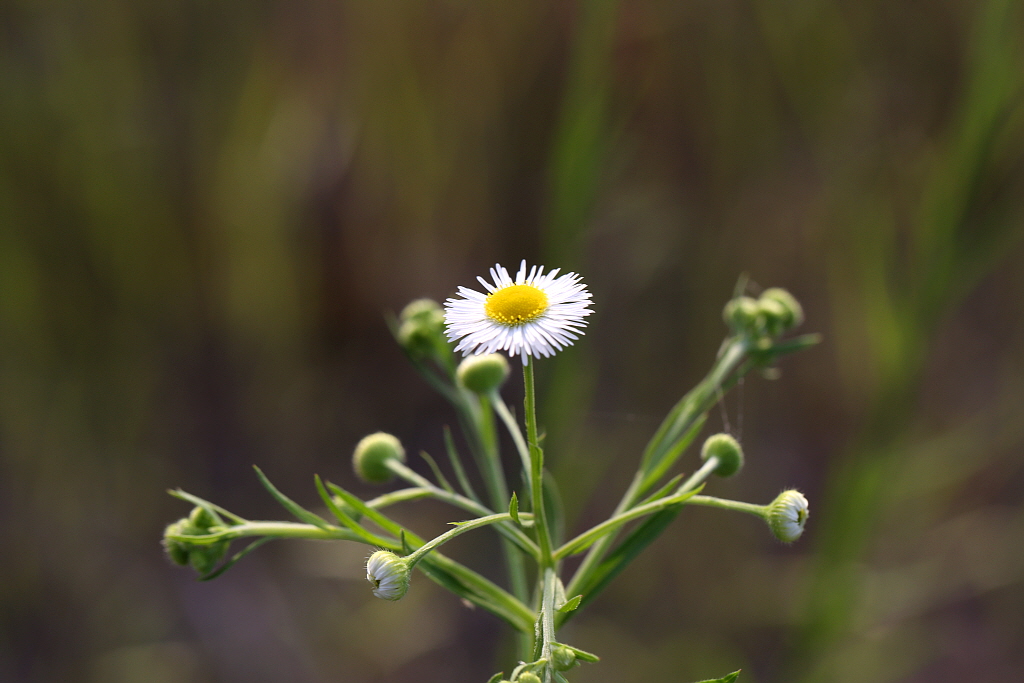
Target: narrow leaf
379	519
668	458
235	558
583	654
302	514
438	475
342	516
206	505
513	508
456	461
724	679
497	678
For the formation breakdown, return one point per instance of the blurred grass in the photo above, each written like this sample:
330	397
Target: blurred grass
205	209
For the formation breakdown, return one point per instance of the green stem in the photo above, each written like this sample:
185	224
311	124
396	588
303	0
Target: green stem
510	531
536	469
723	504
700	476
582	541
414	558
547	617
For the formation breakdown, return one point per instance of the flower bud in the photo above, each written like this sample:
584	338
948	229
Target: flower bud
421	327
204	558
388	574
484	373
201	519
176	550
562	657
743	315
728	452
372	453
528	677
790	313
787	515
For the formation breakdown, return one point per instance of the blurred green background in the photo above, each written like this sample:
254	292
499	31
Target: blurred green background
206	210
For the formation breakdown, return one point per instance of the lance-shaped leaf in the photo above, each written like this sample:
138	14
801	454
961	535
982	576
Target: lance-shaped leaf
301	513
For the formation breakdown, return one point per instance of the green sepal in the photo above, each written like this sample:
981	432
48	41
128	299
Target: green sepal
437	472
513	509
570	604
724	679
301	513
235	558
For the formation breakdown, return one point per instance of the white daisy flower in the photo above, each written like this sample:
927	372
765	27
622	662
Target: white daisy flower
536	314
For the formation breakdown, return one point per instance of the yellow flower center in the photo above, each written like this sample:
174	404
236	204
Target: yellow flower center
516	305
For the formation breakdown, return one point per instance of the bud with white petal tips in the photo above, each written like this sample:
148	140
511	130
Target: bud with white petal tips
787	515
388	574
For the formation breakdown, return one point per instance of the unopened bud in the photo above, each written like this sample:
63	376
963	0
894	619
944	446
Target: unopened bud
528	677
743	315
484	373
369	460
421	327
787	515
783	305
562	657
388	574
728	452
176	550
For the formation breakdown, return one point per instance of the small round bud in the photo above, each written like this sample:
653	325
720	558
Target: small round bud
562	657
728	452
775	316
201	519
420	308
421	327
370	458
790	313
483	374
743	315
388	574
204	558
176	550
528	677
787	515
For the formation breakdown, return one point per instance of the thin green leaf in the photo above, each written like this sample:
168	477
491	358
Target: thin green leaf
235	558
513	508
206	505
379	519
438	475
669	458
497	678
663	491
302	514
456	461
724	679
583	654
342	516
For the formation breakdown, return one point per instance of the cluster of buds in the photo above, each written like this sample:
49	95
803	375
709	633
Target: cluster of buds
776	311
202	557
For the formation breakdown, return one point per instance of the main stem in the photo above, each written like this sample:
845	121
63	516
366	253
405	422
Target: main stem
536	470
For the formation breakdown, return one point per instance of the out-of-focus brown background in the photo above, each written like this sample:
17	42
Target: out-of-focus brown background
206	210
